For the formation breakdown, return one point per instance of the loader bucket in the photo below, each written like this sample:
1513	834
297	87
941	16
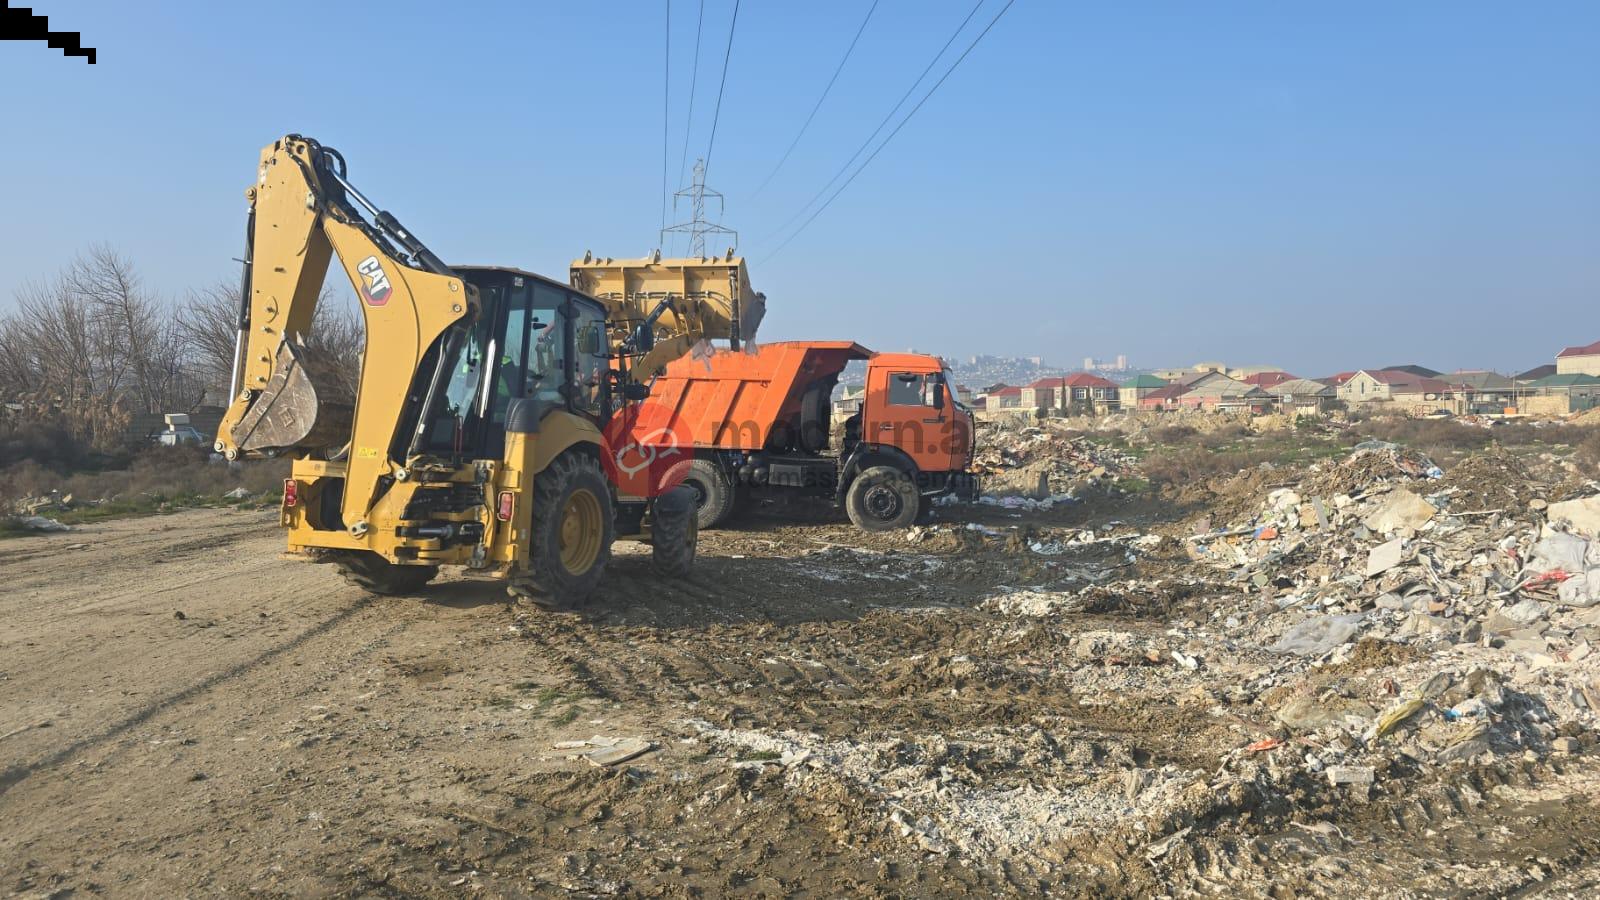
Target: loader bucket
287	413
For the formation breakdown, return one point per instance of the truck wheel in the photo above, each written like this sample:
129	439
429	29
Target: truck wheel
570	542
373	573
711	487
882	498
674	531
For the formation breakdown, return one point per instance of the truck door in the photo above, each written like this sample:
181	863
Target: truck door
910	411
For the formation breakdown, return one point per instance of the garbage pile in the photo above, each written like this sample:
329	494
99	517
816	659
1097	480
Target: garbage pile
1404	623
1044	462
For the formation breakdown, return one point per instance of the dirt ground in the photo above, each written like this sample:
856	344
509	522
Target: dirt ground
184	711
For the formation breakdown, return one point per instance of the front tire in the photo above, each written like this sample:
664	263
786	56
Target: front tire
674	531
882	498
570	542
374	574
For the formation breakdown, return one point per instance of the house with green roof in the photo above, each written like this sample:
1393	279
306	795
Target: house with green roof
1130	392
1562	394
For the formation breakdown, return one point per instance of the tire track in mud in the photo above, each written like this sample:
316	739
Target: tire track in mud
16	773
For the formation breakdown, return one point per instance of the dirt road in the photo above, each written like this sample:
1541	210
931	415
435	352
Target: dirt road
183	711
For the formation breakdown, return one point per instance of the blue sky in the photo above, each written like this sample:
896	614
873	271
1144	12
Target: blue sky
1320	188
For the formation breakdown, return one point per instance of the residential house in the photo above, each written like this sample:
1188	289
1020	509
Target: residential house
963	395
1373	385
1536	373
1337	380
1003	397
1414	369
849	400
1413	393
1244	373
1135	389
1487	393
1043	393
1425	395
1266	380
1080	390
1298	395
1217	391
1163	398
1559	395
1583	360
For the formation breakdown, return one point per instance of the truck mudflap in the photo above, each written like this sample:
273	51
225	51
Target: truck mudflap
964	485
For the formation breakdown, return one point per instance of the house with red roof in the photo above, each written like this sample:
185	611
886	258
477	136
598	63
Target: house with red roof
1003	397
1164	398
1408	390
1267	380
1079	390
1583	360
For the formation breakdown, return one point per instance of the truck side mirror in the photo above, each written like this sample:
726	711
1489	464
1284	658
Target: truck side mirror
938	396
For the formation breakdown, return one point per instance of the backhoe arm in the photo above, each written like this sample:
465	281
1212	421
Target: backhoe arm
302	214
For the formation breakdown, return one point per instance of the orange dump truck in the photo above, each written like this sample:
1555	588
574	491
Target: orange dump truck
758	422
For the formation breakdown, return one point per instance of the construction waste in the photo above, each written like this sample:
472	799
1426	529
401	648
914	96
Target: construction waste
1017	460
1386	616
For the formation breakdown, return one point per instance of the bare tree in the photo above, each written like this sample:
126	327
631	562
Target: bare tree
209	321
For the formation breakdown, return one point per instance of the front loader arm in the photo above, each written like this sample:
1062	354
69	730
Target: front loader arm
301	216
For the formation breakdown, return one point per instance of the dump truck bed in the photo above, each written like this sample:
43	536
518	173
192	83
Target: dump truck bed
732	401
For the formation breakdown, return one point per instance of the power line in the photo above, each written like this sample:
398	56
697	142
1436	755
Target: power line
913	112
876	131
836	71
694	80
726	55
666	109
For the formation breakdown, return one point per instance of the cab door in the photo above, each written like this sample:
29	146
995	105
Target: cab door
909	410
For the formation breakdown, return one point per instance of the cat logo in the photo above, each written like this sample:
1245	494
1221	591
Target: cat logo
374	283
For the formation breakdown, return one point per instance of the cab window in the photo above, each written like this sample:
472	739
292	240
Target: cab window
914	389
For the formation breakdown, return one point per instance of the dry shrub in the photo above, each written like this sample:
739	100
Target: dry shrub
1171	434
1427	435
1589	450
1223	435
160	474
1185	465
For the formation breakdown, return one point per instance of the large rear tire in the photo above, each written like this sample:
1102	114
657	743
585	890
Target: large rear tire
713	490
371	572
882	498
674	531
570	542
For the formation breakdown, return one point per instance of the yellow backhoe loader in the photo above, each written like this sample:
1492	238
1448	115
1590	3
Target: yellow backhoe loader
476	434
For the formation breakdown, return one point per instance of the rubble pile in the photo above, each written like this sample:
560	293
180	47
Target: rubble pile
1043	462
1409	617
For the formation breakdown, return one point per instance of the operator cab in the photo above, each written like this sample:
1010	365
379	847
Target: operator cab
532	338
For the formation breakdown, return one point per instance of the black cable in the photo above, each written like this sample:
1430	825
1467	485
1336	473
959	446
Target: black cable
897	128
876	131
666	108
726	55
840	68
694	80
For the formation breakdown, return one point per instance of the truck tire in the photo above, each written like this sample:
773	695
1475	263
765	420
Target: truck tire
374	574
674	531
569	544
882	498
712	489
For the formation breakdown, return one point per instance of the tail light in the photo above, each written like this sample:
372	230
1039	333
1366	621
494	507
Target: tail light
503	508
291	492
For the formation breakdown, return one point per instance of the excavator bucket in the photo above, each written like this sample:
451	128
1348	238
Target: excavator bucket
287	412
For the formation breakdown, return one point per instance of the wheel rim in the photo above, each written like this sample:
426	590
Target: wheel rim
580	532
883	502
700	492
